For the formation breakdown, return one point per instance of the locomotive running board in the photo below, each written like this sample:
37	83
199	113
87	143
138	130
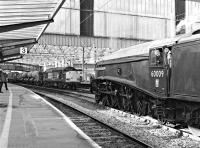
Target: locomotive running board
119	80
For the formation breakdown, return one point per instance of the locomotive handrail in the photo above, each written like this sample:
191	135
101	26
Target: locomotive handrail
124	60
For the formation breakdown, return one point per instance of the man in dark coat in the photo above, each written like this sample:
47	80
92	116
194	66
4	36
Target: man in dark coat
5	80
1	82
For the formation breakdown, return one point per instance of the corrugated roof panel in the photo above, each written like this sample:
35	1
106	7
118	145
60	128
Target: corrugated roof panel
31	32
21	11
25	19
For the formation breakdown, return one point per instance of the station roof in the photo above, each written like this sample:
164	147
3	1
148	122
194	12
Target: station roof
22	22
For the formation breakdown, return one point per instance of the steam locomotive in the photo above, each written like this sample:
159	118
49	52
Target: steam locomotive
158	78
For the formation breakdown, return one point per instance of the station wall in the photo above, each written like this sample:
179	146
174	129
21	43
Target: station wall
142	19
67	20
134	19
187	16
192	8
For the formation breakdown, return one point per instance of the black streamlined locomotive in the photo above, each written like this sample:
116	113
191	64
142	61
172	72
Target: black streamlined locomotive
158	78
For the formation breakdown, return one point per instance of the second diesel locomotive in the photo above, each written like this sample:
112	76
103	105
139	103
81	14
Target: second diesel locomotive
62	77
158	78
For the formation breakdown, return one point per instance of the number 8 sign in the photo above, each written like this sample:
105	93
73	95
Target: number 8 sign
23	50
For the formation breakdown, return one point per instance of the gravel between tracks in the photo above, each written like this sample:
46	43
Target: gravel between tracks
141	129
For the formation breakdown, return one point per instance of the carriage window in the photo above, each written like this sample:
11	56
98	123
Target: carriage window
156	57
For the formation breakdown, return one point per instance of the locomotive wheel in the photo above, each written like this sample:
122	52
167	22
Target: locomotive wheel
114	102
64	86
98	97
162	121
59	85
149	110
91	90
120	103
106	101
126	104
139	107
93	87
123	103
97	100
73	86
129	106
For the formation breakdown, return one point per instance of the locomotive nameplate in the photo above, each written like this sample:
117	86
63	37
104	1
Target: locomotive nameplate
157	73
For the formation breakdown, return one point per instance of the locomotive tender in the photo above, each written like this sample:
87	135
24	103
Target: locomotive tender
158	78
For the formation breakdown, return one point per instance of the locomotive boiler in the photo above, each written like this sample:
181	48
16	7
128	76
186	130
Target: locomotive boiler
157	78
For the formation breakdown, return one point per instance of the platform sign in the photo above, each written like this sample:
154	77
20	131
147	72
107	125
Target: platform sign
23	50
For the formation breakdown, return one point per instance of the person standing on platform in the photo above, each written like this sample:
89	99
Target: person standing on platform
1	82
5	80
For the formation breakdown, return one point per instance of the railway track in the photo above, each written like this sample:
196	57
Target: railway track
103	135
72	93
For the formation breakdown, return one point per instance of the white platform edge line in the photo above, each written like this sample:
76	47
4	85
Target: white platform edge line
88	139
6	126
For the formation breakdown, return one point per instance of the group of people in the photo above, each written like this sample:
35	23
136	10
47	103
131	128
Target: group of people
3	79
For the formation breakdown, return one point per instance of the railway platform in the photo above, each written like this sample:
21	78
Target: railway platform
28	121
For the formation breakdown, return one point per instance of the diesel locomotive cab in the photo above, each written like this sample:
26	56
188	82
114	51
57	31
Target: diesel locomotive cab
159	70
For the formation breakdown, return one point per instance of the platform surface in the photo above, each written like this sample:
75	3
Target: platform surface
26	121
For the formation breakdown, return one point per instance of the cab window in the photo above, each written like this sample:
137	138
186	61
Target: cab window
156	57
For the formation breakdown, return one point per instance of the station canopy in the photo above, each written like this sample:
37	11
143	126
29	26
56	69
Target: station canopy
22	22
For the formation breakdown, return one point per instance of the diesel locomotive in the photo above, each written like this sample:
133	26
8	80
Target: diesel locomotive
158	78
60	77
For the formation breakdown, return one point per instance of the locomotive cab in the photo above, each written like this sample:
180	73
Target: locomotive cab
159	70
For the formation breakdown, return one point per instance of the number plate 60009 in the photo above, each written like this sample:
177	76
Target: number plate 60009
157	73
